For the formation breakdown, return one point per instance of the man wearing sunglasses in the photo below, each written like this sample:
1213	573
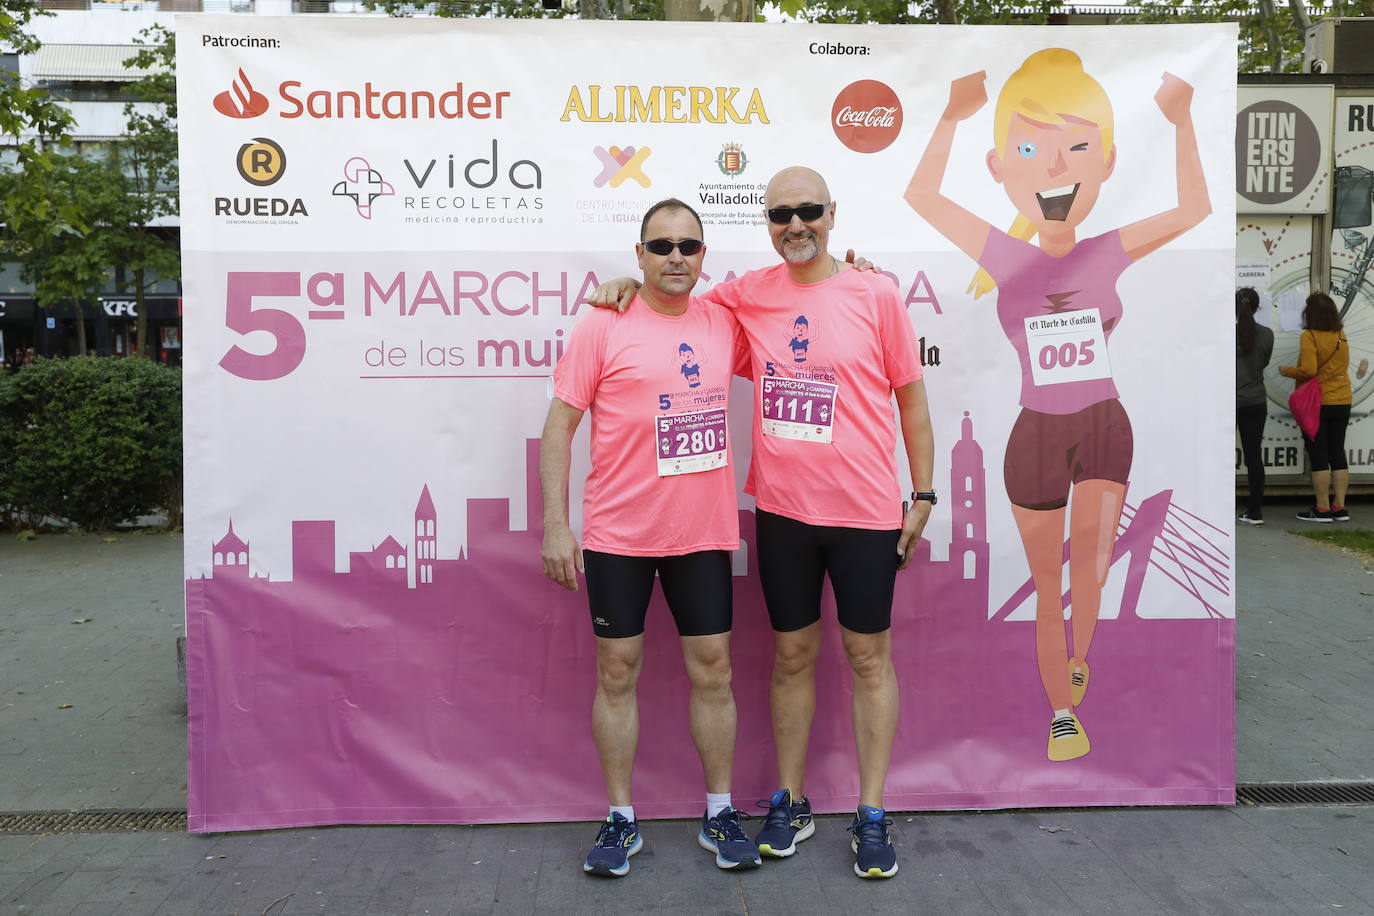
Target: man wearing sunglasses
660	501
825	483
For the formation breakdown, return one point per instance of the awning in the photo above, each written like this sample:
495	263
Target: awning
104	63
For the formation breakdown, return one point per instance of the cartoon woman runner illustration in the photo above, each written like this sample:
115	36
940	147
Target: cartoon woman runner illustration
1058	304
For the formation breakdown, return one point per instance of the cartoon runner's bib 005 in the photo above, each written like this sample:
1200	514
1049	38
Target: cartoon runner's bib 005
687	443
794	408
1067	347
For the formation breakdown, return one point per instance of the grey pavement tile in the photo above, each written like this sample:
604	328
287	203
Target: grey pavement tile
1024	898
439	905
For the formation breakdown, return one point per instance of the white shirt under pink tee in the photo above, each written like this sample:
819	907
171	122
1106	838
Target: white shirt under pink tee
826	358
657	387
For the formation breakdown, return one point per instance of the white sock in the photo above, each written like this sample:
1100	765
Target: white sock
716	803
1062	713
625	811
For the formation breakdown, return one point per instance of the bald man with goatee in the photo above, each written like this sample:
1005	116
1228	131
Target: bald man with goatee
831	346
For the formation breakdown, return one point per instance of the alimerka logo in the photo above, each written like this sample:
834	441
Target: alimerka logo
866	116
363	184
664	105
241	100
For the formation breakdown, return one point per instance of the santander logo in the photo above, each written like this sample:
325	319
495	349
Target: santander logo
241	100
866	116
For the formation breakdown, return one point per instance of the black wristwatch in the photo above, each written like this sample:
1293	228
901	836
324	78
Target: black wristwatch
925	496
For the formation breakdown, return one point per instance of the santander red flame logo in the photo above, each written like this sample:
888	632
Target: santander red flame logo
241	100
867	116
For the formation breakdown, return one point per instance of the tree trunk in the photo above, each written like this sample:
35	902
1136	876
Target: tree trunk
1271	35
593	9
946	12
709	10
141	320
1302	20
80	328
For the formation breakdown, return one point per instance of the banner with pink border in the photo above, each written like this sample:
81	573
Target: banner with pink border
390	228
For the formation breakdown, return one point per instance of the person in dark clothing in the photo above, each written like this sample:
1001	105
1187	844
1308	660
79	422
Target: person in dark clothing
1254	347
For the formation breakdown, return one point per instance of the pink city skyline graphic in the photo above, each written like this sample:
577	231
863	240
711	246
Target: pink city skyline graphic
415	688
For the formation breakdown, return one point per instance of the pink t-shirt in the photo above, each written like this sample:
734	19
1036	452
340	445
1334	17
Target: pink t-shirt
657	387
1065	366
825	358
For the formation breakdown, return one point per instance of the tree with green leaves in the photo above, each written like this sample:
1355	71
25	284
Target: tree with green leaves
1272	34
520	9
67	262
147	165
32	124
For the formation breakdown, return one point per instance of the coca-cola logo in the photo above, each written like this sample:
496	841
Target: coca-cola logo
866	116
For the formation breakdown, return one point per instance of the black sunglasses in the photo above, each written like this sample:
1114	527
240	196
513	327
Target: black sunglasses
662	247
809	213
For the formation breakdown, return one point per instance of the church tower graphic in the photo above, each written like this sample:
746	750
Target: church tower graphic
960	580
426	540
231	556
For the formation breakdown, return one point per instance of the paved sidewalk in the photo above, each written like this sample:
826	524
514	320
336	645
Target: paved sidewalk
1251	861
91	717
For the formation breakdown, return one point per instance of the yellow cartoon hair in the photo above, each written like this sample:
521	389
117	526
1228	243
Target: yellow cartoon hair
1049	86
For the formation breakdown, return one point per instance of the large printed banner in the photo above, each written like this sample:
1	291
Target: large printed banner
390	228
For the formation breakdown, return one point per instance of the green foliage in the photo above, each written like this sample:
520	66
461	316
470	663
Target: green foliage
520	9
31	122
919	11
1271	33
89	440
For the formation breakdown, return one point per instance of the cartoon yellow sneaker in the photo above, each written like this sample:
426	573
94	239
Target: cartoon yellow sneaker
1068	741
1078	679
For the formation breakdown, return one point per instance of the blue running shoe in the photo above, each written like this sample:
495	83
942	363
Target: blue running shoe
787	824
725	836
618	840
874	854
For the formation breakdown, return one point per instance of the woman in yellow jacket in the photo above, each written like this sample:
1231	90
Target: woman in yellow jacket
1324	353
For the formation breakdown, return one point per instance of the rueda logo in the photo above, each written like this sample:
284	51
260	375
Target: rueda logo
363	184
261	162
241	100
866	116
619	163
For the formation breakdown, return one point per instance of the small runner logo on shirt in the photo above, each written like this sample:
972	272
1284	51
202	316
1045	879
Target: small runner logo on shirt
689	364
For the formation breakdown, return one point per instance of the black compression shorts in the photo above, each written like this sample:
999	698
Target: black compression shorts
695	585
794	558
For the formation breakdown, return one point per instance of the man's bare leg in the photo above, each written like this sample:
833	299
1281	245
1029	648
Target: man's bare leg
793	700
615	712
876	707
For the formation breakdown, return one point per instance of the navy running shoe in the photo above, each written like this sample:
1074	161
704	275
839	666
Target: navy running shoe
618	840
874	854
787	824
725	836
